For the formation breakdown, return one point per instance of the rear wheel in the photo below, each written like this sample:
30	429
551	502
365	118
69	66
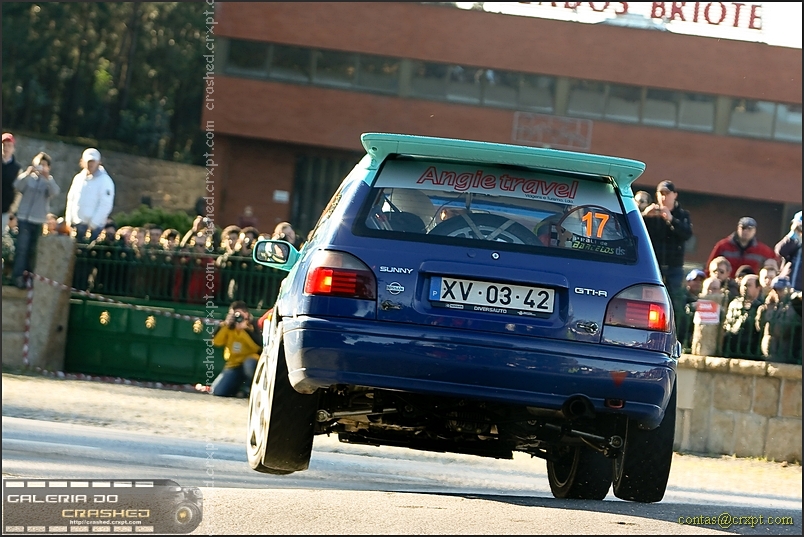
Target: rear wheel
578	472
641	471
281	420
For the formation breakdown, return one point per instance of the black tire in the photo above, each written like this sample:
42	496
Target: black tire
642	470
281	420
506	230
578	473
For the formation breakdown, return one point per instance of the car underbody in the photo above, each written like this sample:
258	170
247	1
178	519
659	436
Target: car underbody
361	415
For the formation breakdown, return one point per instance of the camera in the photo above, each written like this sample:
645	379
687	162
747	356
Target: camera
237	318
39	168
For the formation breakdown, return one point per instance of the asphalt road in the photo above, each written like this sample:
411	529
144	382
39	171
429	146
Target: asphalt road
366	490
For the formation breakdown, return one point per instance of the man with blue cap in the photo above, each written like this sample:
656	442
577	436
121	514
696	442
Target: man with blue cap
789	249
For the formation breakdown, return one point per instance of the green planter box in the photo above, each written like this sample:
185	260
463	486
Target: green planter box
116	340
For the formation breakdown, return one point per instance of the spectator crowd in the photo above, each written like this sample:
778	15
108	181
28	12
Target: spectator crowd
203	264
745	302
143	262
163	264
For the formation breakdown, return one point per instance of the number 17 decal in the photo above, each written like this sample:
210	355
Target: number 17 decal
587	218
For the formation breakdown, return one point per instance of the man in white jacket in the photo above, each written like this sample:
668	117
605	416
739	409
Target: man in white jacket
91	197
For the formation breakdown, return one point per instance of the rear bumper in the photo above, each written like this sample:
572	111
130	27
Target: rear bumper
520	371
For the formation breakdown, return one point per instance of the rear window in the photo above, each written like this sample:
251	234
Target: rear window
495	207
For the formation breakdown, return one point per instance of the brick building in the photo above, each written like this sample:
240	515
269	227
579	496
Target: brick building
295	84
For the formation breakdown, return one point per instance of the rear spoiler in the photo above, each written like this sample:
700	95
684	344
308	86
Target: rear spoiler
623	171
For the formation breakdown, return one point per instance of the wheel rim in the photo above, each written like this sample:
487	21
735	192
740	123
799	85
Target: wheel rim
564	466
619	460
257	425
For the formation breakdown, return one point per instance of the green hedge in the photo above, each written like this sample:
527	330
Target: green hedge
179	220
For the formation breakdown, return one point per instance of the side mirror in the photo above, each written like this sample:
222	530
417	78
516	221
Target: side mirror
276	254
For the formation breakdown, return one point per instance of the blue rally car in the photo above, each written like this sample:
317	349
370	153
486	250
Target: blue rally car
478	298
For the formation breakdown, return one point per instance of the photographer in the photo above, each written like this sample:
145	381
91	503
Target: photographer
669	228
200	228
242	347
789	249
37	187
285	232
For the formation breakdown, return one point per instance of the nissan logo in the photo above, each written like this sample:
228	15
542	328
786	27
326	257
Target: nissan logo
394	288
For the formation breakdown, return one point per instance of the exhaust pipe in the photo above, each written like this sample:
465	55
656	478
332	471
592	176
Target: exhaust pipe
578	406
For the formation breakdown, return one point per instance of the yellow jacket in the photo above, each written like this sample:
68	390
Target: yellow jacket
238	345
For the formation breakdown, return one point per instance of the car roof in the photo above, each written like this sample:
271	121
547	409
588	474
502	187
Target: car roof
624	171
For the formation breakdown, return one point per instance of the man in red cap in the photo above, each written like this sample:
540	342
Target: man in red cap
11	169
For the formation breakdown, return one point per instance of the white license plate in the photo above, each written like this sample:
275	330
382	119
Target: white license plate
489	297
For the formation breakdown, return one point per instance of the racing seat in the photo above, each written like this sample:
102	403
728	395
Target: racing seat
406	222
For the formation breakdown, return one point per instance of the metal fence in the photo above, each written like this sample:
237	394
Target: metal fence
764	330
154	274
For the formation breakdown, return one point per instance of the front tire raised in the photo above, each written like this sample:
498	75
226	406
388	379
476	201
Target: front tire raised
281	420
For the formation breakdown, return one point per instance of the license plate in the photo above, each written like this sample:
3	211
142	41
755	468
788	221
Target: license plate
490	297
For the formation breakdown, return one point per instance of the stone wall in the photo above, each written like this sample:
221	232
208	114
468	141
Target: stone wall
745	408
50	311
15	304
171	185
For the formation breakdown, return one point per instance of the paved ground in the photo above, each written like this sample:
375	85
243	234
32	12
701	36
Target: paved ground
203	417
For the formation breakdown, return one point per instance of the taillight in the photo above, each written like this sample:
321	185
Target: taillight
646	307
340	274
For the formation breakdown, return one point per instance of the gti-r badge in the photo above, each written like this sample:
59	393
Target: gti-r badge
394	288
593	292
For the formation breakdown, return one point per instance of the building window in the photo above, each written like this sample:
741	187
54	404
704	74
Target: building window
429	80
247	57
696	112
317	178
334	68
290	63
463	84
537	93
378	73
660	108
751	118
788	122
500	88
586	99
506	89
623	103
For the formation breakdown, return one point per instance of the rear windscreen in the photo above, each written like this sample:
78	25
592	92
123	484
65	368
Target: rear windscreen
496	207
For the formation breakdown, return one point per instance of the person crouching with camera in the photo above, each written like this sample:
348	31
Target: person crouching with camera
242	345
